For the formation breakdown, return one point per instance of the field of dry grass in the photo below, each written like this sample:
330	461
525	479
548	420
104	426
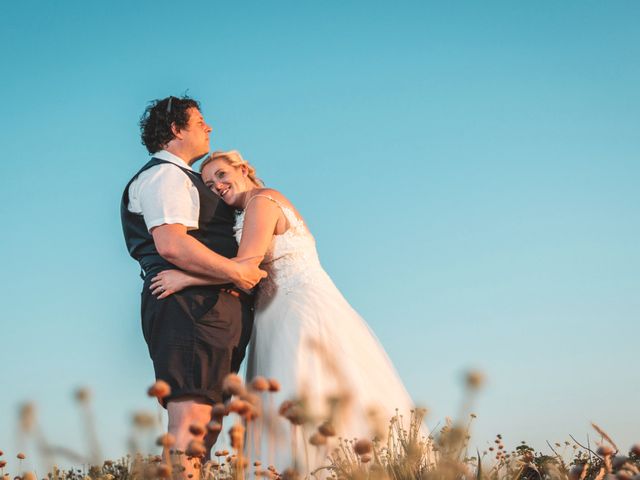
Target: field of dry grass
396	450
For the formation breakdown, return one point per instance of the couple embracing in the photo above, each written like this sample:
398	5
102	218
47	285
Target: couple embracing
228	263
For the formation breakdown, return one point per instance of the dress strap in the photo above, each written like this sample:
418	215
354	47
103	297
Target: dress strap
288	213
265	196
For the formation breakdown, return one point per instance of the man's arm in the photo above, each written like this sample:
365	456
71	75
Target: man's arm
176	246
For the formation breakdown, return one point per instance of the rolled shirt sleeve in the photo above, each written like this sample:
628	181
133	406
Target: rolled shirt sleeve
164	194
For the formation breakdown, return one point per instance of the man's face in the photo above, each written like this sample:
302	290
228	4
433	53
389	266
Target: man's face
195	136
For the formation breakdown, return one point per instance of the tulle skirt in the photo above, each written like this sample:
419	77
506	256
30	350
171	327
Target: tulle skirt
329	361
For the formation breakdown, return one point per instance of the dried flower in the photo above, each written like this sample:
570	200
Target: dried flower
3	464
232	385
238	406
296	414
160	389
474	379
327	429
236	435
317	439
29	476
605	450
167	440
366	458
260	384
219	410
214	427
197	430
284	407
290	474
21	456
362	446
163	470
144	420
274	385
196	448
82	395
635	449
27	416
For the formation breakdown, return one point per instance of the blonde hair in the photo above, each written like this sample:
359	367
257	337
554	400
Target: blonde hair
233	159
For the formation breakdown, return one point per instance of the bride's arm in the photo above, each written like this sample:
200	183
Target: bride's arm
260	220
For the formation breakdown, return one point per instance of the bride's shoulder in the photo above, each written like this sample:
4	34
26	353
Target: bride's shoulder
274	195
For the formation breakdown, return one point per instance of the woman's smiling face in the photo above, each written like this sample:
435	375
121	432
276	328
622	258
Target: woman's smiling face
226	181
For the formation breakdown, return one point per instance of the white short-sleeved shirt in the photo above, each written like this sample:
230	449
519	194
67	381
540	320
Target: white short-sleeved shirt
164	194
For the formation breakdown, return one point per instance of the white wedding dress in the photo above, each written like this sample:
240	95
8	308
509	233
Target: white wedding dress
315	344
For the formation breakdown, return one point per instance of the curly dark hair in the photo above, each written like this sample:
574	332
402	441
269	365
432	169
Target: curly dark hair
156	121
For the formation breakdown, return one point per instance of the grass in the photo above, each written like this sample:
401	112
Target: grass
401	451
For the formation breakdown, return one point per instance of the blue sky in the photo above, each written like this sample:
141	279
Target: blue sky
469	170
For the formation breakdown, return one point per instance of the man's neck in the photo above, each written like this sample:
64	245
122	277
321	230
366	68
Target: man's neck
181	154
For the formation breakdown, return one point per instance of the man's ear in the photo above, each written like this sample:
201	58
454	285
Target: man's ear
245	170
176	131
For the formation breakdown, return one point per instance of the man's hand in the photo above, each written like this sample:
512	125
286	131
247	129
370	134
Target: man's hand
248	273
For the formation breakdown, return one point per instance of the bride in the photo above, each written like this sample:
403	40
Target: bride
305	335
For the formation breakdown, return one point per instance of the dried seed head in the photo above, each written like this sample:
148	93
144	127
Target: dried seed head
29	476
635	449
362	446
605	450
3	464
160	389
474	379
317	439
366	458
144	420
214	427
166	440
237	406
197	430
195	449
236	435
21	456
219	410
257	463
290	474
163	470
82	395
327	429
284	407
232	385
260	384
296	415
274	385
27	415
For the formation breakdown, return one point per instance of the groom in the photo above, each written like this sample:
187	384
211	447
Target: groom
171	219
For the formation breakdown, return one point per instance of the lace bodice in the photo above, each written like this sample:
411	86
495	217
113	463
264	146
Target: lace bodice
291	259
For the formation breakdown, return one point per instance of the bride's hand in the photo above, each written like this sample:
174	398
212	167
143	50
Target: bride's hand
168	282
249	273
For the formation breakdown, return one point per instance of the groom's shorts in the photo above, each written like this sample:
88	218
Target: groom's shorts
195	338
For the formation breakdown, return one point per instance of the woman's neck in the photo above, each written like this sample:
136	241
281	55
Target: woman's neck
245	196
